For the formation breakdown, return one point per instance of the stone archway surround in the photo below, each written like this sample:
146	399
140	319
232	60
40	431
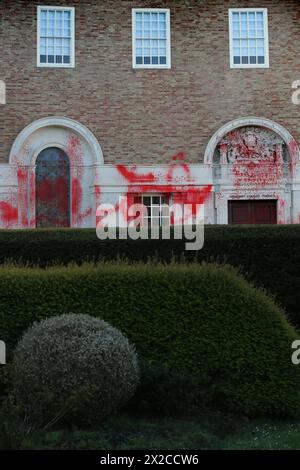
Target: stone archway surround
84	153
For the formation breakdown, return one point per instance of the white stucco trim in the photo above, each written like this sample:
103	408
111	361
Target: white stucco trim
18	156
252	121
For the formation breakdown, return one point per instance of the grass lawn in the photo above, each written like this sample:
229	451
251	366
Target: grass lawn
213	431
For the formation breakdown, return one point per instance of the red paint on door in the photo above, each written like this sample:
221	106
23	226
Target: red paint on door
52	189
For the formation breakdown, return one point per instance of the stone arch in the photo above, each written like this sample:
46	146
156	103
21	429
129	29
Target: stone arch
290	142
54	131
84	153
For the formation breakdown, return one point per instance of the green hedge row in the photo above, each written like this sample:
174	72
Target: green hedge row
268	255
192	318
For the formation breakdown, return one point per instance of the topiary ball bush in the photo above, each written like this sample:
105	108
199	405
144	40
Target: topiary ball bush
73	368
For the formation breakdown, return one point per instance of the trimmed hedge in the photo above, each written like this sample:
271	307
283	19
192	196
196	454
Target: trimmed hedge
192	318
268	255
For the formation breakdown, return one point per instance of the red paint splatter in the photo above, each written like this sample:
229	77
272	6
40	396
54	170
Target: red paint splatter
132	176
294	155
191	195
76	200
9	214
32	192
258	174
22	190
54	190
74	150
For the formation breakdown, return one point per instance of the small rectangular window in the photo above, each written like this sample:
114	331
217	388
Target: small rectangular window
157	206
151	38
56	37
249	43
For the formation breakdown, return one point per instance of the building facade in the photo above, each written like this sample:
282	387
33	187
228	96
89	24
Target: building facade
182	101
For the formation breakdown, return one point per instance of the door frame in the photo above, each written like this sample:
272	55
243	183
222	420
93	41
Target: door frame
283	196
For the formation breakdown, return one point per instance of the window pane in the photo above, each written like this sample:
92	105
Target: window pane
67	16
244	33
163	34
150	38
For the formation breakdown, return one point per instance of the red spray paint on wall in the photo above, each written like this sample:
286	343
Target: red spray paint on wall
8	215
256	158
23	195
141	184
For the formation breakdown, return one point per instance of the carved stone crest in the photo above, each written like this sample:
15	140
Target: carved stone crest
251	144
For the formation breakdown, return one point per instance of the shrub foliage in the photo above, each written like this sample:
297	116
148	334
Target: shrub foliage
73	367
268	255
200	319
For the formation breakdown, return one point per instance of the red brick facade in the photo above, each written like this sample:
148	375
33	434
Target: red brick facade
198	132
145	116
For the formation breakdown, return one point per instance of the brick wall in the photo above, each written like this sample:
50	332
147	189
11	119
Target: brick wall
145	116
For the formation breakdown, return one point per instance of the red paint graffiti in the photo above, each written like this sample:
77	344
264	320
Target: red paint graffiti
181	195
132	176
258	174
22	187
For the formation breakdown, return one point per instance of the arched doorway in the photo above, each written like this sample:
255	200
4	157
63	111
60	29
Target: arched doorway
52	188
253	162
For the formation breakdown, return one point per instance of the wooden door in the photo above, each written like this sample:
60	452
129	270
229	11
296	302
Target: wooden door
252	212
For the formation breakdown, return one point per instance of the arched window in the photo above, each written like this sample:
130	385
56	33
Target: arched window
52	188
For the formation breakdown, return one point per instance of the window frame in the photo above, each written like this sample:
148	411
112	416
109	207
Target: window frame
72	39
160	206
266	65
168	38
